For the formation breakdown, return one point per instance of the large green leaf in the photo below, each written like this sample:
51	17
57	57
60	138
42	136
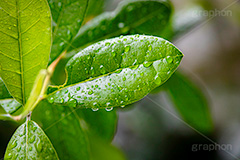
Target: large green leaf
117	72
66	128
131	17
30	142
67	17
25	37
190	102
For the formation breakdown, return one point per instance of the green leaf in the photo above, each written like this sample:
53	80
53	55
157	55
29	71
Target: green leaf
4	91
101	122
117	72
25	37
30	142
10	105
92	10
130	17
190	102
104	151
66	128
67	19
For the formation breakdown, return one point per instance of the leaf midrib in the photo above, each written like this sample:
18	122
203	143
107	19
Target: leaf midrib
20	52
90	79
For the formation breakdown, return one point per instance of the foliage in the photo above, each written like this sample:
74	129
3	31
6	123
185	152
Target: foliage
105	72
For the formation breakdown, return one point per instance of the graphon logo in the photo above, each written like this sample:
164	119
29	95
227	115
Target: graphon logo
213	13
211	147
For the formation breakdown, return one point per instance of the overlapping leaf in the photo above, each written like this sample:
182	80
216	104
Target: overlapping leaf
67	128
67	16
25	40
131	17
117	72
30	142
190	102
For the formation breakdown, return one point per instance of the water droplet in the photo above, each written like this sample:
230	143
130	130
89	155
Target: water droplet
120	25
90	92
66	91
72	103
124	78
107	44
61	44
95	109
14	144
9	28
157	80
30	148
149	47
59	4
9	156
109	109
169	59
127	48
78	88
61	100
32	139
147	64
122	106
39	146
121	36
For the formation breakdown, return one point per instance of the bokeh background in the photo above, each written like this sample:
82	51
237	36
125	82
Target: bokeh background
150	131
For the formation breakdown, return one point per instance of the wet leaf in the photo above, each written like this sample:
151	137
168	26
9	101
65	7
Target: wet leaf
10	105
67	20
30	142
25	41
130	17
117	72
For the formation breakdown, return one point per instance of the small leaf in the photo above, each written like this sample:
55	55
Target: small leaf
30	142
68	125
130	17
190	102
25	37
117	72
67	19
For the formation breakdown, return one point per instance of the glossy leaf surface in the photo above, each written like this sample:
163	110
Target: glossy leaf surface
10	105
30	142
131	17
66	128
67	16
117	72
25	41
190	102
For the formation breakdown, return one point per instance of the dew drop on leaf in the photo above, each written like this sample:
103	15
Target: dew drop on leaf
169	59
109	109
157	80
147	64
95	109
39	146
32	139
